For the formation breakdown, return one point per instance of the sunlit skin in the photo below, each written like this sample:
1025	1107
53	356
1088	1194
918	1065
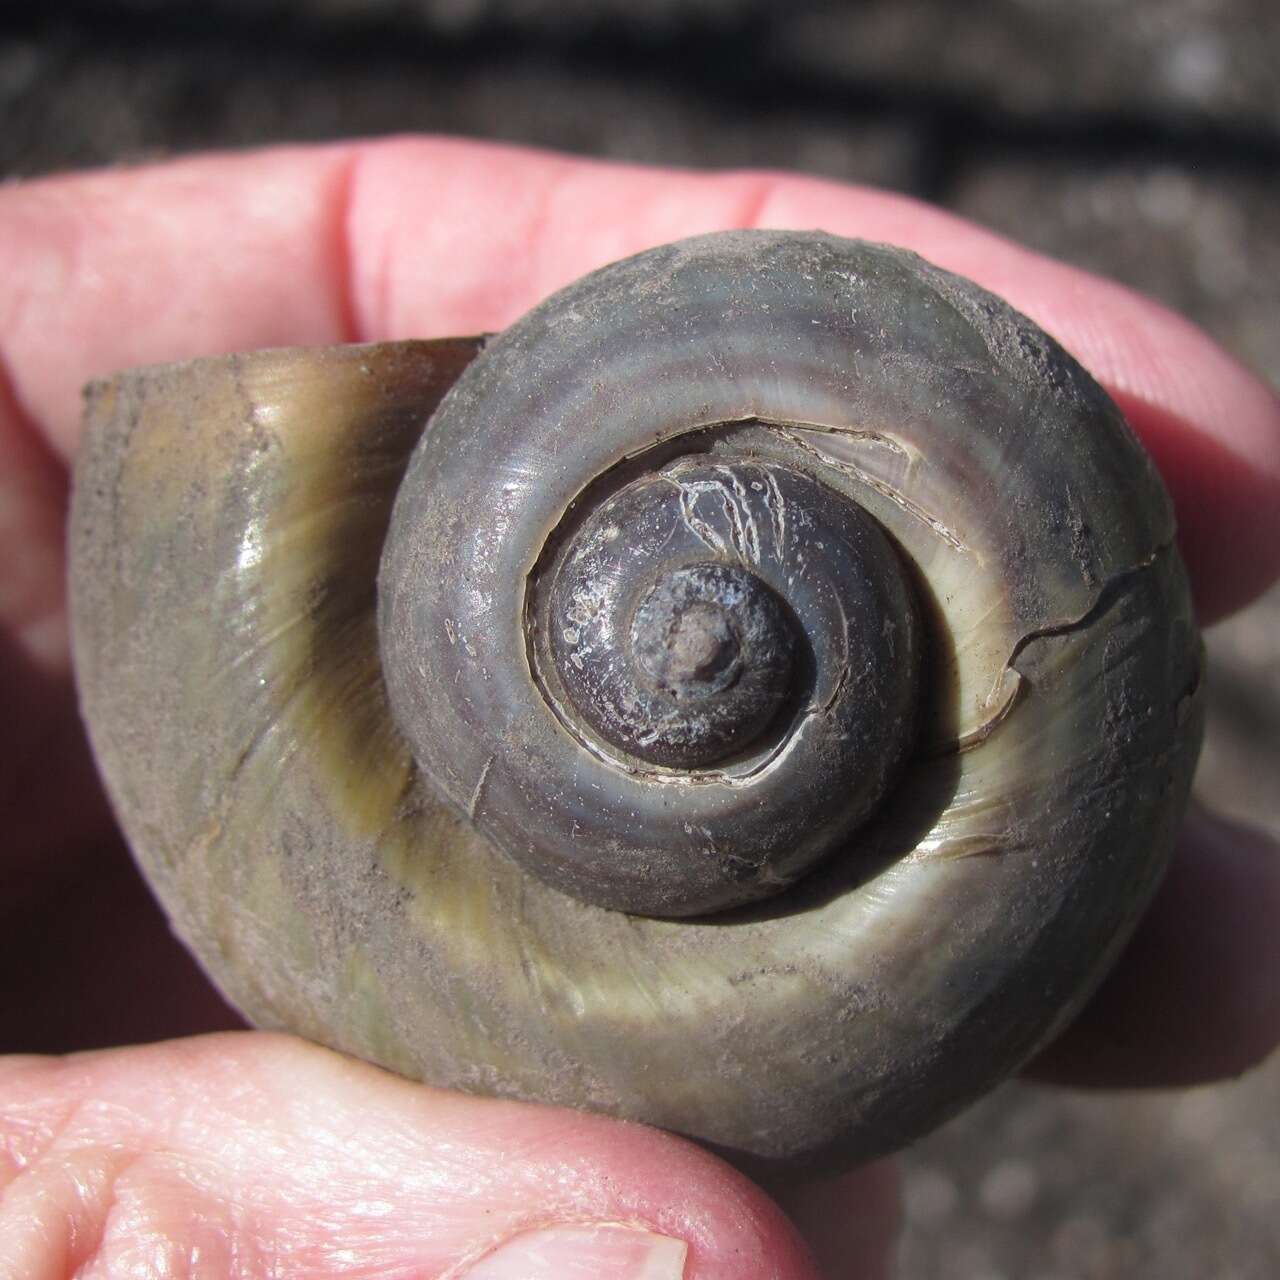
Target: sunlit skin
242	1153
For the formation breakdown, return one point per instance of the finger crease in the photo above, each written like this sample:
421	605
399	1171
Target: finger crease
340	237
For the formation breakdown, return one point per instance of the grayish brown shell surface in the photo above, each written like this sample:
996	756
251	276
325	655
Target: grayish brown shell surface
755	694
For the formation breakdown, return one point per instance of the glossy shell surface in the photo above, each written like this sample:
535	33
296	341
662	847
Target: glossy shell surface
338	868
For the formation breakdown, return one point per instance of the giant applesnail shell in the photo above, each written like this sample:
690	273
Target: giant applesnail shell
754	694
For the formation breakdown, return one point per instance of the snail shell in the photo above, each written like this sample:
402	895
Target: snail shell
755	694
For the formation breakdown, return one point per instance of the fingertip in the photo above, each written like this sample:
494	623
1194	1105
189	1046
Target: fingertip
283	1152
1226	499
136	265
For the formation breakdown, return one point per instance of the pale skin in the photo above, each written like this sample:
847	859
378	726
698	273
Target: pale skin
247	1154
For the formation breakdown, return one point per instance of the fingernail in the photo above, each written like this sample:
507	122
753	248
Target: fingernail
583	1251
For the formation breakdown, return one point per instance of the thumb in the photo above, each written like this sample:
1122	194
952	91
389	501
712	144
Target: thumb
248	1154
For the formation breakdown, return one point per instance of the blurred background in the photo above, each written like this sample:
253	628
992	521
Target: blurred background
1137	138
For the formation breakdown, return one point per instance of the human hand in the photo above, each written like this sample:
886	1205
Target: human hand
247	1154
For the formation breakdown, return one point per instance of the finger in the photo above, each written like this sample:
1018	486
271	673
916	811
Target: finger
1196	995
250	1155
427	237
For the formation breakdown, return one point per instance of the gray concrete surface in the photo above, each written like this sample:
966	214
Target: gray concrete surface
1140	139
